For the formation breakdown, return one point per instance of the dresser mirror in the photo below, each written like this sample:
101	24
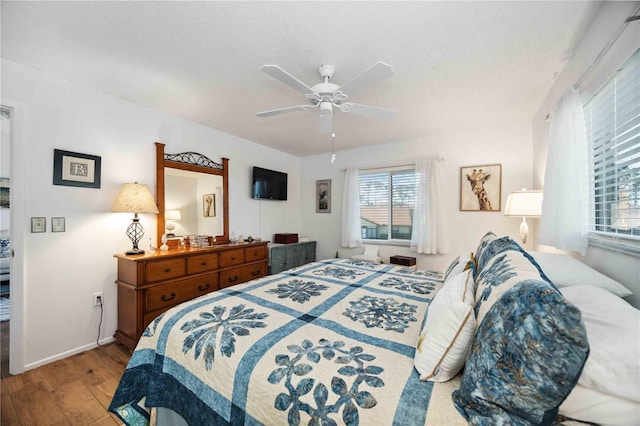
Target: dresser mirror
192	195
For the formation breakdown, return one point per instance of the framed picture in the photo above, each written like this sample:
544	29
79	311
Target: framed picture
38	224
75	169
209	205
57	224
5	185
481	188
323	196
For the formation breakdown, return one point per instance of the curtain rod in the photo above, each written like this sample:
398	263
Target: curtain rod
437	158
632	17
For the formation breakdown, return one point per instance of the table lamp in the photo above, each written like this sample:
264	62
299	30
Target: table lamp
524	204
171	216
135	198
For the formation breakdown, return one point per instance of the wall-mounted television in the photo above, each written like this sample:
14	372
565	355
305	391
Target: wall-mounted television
269	184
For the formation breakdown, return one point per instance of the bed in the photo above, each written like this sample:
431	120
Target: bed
491	340
330	340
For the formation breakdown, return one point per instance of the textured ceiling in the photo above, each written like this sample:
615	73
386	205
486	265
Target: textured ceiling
459	66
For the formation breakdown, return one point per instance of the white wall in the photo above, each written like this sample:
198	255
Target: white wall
59	272
621	267
509	145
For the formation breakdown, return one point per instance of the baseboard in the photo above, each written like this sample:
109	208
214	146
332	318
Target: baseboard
67	354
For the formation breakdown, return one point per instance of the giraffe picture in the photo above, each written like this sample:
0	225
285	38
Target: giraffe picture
481	188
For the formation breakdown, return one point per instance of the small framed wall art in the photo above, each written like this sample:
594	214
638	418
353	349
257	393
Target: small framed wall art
38	224
209	205
323	196
481	188
75	169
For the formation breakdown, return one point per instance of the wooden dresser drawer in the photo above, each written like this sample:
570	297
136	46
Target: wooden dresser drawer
243	274
231	257
255	253
170	294
165	269
202	263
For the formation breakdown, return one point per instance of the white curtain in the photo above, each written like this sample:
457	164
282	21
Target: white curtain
565	206
351	233
429	234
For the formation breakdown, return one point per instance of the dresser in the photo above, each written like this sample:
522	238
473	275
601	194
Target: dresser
151	283
287	256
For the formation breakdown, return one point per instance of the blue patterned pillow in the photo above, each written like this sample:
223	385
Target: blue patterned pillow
484	242
530	344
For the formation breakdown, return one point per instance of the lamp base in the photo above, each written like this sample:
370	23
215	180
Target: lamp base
134	251
524	231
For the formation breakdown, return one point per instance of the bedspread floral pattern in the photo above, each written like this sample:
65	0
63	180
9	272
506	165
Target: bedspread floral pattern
385	313
298	290
204	331
402	284
344	396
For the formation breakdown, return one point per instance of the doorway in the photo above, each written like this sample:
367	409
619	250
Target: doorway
5	245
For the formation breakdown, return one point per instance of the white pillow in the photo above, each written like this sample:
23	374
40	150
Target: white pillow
589	405
613	330
448	331
565	271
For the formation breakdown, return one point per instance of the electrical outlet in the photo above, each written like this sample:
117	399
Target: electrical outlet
98	299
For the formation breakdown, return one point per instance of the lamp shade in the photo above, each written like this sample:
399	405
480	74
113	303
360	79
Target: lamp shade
134	198
524	204
172	215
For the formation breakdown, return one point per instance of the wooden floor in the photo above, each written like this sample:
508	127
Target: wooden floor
72	391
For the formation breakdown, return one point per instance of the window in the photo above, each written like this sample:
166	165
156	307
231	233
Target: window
387	199
612	118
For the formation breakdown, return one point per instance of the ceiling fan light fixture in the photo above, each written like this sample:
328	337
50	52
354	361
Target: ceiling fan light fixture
326	109
326	95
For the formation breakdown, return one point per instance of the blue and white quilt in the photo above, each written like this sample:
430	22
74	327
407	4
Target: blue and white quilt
331	342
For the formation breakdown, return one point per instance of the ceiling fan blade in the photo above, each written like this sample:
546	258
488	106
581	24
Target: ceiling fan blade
283	110
326	123
367	110
375	74
280	74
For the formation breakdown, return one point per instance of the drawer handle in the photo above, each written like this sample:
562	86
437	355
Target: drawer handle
203	263
256	272
167	270
233	258
166	299
234	279
204	288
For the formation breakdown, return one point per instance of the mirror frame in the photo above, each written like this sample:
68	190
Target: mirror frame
195	162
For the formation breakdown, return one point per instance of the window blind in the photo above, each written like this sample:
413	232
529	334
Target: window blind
387	200
612	118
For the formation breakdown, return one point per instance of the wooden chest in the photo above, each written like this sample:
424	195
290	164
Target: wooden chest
403	260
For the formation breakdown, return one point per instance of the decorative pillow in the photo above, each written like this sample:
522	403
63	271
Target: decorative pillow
613	328
484	241
448	331
501	265
459	264
529	347
565	271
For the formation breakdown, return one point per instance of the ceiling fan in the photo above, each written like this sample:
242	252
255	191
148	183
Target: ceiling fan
326	95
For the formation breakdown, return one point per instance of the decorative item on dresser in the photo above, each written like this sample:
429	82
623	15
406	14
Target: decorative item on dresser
287	256
150	284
